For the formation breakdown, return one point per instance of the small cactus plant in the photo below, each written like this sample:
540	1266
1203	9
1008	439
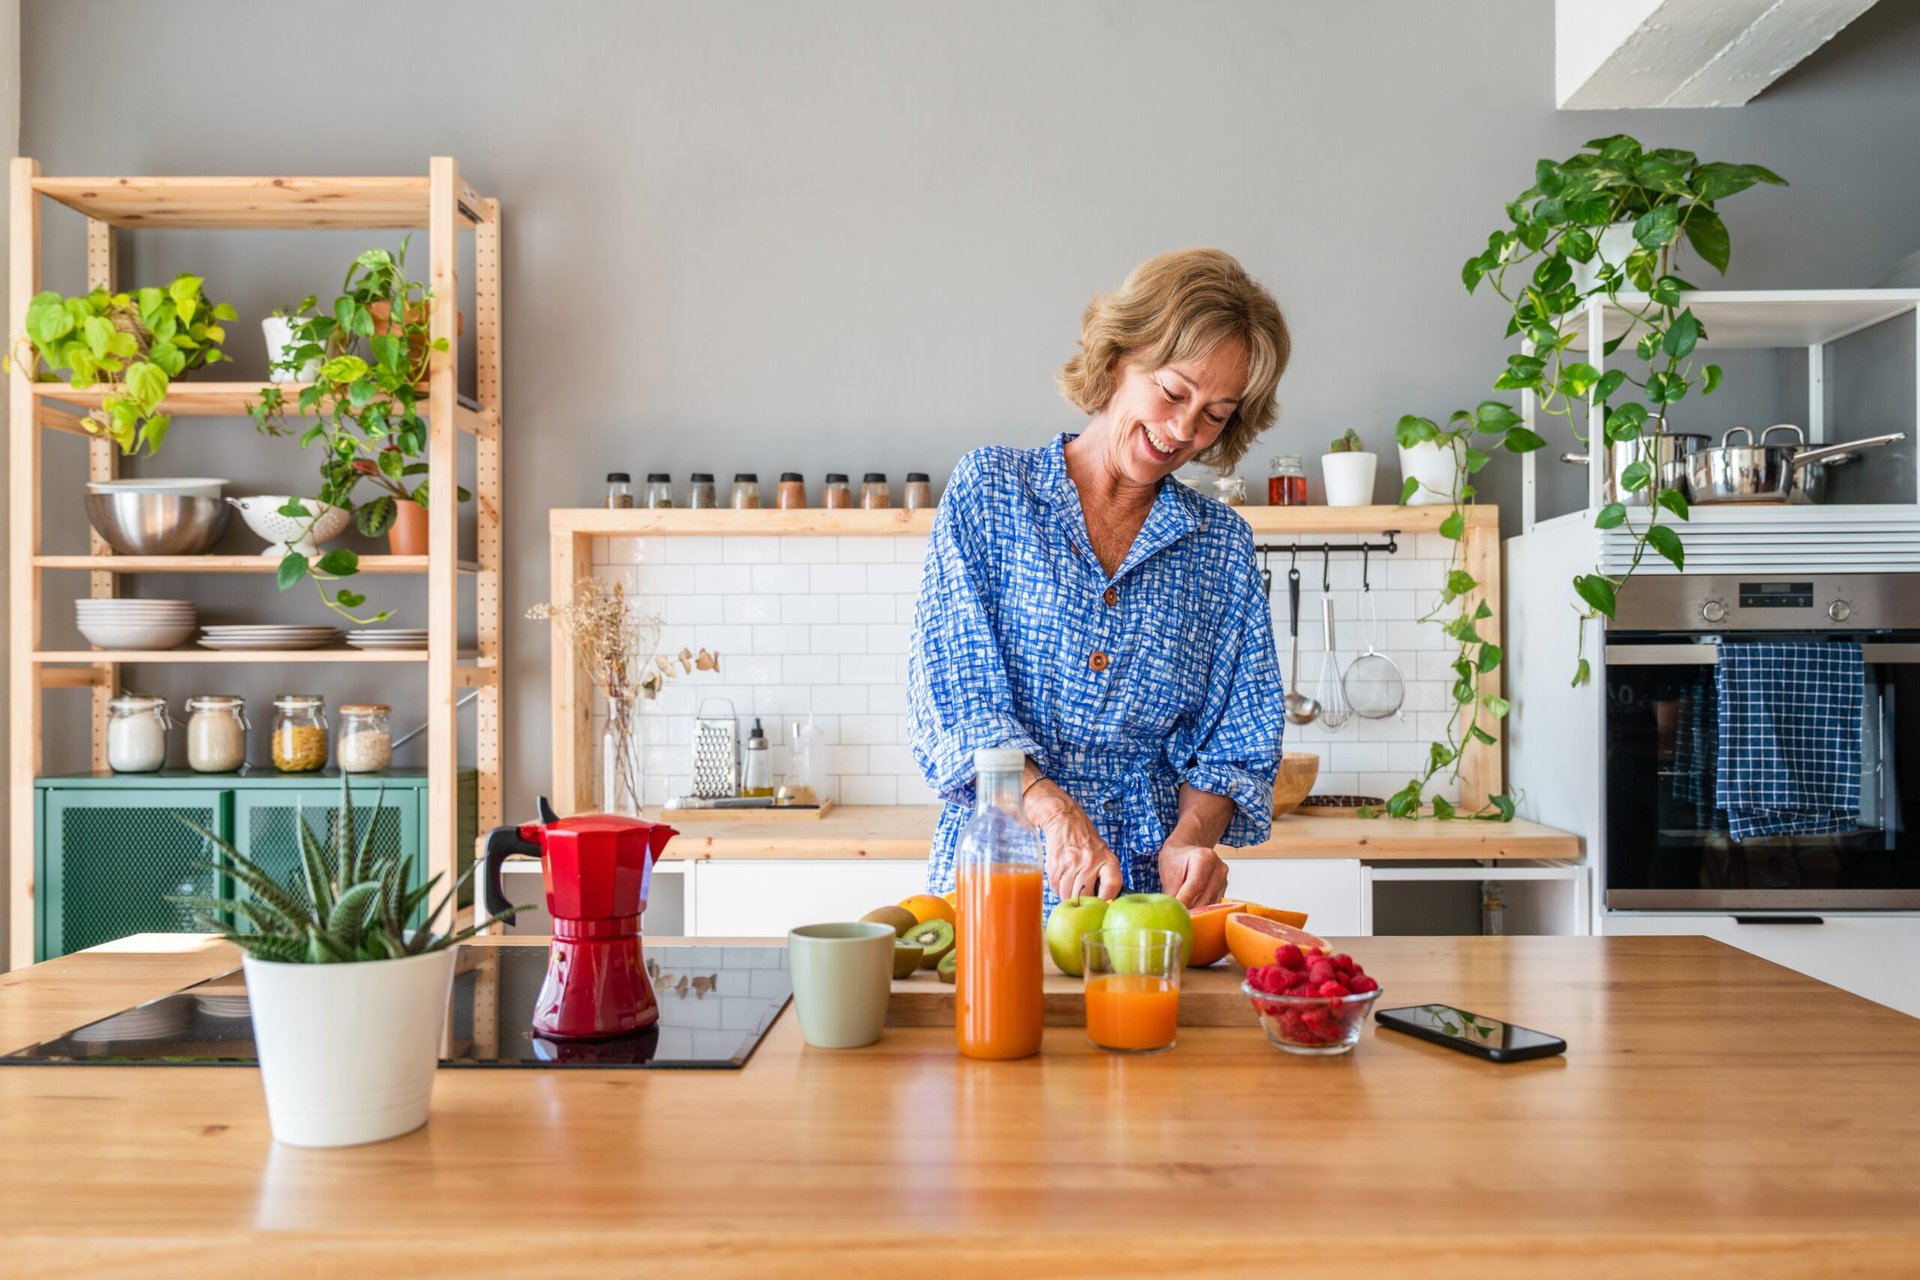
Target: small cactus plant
356	912
1347	441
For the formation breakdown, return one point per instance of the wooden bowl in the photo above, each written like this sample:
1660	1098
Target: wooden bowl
1298	769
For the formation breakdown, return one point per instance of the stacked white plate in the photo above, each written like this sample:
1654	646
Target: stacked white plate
135	624
268	636
388	638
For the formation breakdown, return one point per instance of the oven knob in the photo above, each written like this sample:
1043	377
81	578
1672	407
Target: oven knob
1714	611
1839	611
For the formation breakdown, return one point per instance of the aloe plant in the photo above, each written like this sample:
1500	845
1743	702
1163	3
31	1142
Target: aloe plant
356	912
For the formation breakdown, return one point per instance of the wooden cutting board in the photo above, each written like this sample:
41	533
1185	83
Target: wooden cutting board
1208	998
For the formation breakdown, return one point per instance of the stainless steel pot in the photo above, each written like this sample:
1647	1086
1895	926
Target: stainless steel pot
1758	471
1666	452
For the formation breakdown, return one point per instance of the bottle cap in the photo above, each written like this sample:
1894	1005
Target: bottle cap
999	760
701	477
745	477
836	477
757	740
920	477
875	477
619	477
659	477
788	477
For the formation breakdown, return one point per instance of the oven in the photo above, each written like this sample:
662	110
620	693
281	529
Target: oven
1668	843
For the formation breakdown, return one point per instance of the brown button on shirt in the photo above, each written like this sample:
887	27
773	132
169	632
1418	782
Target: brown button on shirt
1098	661
1112	596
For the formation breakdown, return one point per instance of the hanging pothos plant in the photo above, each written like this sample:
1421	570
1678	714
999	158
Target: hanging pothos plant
1659	199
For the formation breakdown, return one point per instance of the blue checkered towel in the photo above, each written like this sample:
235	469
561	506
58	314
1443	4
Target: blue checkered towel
1789	737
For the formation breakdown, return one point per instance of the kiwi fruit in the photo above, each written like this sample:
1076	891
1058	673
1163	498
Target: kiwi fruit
934	938
899	919
906	959
949	966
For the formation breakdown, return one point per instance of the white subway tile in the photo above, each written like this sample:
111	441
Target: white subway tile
780	639
840	699
814	669
869	729
1335	783
887	698
750	608
809	550
719	639
808	609
779	700
840	579
695	550
863	609
849	761
1435	664
779	580
869	668
1415	575
1394	606
895	578
1432	725
911	551
1361	756
904	606
1383	782
726	579
865	550
758	668
835	638
867	789
744	549
1428	695
694	611
634	551
912	788
891	759
888	638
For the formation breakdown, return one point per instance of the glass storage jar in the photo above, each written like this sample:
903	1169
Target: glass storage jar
365	744
1230	489
659	491
838	495
918	495
137	733
216	733
792	495
1287	483
873	491
701	495
619	491
746	491
299	732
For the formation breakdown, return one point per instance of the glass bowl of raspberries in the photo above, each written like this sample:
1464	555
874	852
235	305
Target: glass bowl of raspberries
1310	1001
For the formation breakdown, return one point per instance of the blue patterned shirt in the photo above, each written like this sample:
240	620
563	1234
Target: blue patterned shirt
1121	689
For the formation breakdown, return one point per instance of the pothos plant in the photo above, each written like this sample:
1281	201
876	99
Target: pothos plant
372	347
134	343
1662	198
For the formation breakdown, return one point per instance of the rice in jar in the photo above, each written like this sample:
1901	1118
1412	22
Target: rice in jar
216	733
366	743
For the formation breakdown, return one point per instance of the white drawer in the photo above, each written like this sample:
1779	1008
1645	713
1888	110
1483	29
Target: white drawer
1328	889
1876	956
739	898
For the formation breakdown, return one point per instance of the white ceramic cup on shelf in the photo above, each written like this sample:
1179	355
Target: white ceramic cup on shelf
842	979
278	331
1349	478
1437	469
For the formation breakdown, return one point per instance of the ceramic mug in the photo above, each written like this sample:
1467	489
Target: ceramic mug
842	976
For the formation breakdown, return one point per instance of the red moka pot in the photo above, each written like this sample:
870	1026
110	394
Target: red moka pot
597	868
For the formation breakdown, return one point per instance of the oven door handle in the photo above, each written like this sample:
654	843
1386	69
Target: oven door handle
1707	655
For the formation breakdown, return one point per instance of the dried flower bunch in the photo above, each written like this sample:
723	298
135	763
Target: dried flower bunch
617	644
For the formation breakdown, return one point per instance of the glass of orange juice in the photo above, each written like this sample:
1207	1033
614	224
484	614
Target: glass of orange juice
1133	989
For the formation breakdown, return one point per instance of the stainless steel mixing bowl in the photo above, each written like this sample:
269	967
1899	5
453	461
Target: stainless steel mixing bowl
158	524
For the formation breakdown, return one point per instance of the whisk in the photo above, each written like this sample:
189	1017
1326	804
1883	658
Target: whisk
1334	711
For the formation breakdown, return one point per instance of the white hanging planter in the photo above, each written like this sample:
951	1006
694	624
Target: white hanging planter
1349	478
348	1052
1436	467
278	331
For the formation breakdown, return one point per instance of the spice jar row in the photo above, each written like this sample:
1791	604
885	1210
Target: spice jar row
216	732
790	494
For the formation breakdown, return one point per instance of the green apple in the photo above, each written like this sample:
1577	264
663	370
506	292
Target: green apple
1073	919
1151	911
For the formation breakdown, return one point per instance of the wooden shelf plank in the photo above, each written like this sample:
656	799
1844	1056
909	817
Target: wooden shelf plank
191	399
223	564
603	523
53	656
272	202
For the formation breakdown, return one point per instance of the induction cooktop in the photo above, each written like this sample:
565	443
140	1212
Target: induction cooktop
715	1005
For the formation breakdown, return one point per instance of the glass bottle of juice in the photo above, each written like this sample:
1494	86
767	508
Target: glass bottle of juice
998	969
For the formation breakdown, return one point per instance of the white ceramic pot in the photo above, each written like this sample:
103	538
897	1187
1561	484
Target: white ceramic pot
348	1052
289	533
1349	478
1436	468
279	334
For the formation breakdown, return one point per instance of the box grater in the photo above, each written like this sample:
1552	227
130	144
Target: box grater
716	761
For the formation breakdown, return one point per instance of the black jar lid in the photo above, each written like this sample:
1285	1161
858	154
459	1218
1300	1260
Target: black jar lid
789	477
836	477
874	477
745	477
701	477
659	477
619	477
919	477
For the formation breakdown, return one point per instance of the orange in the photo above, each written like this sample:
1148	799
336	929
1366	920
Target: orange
1298	919
1253	940
952	897
1210	934
927	906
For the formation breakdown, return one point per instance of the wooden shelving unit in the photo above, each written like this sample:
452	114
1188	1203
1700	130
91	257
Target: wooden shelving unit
571	531
444	206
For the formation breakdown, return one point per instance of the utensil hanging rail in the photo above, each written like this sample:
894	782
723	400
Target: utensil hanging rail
1390	547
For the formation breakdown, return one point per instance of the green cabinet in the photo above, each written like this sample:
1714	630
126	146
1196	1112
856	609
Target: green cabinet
109	847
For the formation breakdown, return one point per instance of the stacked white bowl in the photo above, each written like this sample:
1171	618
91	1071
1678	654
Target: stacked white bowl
136	624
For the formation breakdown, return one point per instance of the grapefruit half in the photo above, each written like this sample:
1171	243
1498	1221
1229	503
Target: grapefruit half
1253	939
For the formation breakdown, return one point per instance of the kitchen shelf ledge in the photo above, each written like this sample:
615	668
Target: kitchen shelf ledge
904	832
190	399
224	564
92	657
601	522
285	203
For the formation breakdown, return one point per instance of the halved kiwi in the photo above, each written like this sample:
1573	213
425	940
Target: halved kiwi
899	919
949	966
933	937
906	959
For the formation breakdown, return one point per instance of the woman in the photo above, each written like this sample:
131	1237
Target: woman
1081	605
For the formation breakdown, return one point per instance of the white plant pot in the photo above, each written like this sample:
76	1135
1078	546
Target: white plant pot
1436	468
348	1052
279	335
1349	478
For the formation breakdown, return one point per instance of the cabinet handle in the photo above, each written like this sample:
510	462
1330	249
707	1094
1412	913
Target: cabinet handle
1778	920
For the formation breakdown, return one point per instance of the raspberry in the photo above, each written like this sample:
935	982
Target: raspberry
1343	962
1320	971
1332	991
1289	957
1360	984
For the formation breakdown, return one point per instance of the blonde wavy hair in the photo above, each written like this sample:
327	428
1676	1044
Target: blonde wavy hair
1180	306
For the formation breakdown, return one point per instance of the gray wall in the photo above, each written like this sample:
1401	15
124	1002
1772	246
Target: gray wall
856	235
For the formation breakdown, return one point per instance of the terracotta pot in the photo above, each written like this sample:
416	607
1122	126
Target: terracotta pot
408	535
382	313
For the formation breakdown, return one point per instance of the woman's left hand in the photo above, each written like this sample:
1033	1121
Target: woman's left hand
1193	873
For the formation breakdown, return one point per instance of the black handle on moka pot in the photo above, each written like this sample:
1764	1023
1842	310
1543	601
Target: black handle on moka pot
504	843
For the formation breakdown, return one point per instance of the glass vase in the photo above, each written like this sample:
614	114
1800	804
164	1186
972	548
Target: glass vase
622	759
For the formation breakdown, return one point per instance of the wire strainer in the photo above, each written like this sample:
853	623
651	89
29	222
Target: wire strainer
1373	684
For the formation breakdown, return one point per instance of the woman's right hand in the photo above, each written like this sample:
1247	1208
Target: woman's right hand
1078	860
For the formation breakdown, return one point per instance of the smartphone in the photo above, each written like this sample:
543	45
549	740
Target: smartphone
1471	1033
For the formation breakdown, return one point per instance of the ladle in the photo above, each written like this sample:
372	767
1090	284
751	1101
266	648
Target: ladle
1301	709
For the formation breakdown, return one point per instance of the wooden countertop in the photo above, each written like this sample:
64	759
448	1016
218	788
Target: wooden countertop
905	831
1715	1115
